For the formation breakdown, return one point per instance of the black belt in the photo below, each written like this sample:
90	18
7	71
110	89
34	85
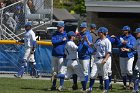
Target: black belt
73	59
100	57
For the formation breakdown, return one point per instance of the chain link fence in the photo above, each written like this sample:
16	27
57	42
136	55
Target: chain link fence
14	16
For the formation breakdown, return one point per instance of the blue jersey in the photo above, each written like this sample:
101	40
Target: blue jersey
131	41
112	40
84	50
58	44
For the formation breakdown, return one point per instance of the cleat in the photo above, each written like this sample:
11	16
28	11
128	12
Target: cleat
75	87
89	90
105	91
53	88
60	88
110	86
131	86
15	75
101	87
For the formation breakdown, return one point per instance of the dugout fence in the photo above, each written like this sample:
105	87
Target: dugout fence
11	56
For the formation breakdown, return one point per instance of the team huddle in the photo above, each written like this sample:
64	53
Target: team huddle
90	57
87	55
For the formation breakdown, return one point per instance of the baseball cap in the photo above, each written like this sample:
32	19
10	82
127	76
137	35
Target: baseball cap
71	33
60	24
126	28
103	30
137	30
83	25
93	25
28	24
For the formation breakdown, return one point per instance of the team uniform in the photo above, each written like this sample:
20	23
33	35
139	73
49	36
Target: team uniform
84	53
30	43
102	46
73	65
126	57
84	49
94	38
137	67
113	41
58	52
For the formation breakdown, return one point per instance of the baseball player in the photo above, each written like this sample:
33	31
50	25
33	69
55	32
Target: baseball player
137	67
93	32
101	58
59	40
73	66
113	40
126	44
84	49
30	44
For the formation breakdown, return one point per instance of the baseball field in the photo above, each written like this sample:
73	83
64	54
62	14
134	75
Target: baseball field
14	85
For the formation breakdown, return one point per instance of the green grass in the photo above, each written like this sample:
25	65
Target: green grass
12	85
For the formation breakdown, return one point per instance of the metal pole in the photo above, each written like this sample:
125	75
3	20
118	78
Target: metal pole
51	11
25	2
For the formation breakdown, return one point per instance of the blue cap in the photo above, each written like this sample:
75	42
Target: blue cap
71	33
103	30
28	24
83	25
60	24
126	28
137	30
18	7
93	26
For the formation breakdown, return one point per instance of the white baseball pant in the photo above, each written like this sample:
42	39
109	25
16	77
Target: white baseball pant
126	65
99	68
57	64
74	67
28	56
85	66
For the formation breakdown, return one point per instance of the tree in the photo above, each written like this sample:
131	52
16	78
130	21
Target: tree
78	6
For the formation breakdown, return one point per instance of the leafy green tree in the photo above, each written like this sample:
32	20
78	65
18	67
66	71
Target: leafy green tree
78	6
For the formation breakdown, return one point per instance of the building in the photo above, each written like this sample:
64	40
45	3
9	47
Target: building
113	14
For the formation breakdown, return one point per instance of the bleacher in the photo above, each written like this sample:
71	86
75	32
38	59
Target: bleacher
19	11
10	54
